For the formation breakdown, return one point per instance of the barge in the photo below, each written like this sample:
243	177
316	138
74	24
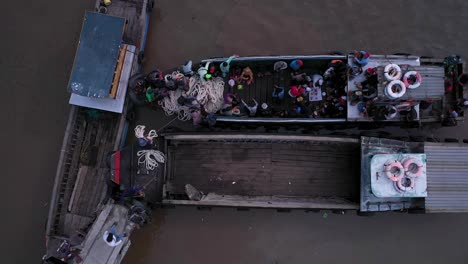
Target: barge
314	173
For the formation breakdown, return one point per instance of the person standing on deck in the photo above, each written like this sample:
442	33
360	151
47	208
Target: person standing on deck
112	238
225	65
361	58
196	117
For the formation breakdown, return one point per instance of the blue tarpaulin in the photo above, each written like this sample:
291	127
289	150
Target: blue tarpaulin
96	56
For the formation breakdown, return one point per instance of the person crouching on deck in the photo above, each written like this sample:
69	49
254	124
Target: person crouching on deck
112	238
251	109
247	76
361	58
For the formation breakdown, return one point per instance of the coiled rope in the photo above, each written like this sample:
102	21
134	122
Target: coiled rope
208	93
140	133
150	158
171	106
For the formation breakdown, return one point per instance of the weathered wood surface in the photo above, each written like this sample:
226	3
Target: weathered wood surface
75	224
265	79
73	168
86	192
269	202
80	179
262	88
265	169
95	179
135	13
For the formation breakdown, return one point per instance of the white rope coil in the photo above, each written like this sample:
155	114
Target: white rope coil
208	93
150	158
152	134
140	133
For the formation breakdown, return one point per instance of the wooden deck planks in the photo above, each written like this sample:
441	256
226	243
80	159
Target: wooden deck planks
95	178
118	71
135	13
73	168
74	223
91	185
256	169
262	88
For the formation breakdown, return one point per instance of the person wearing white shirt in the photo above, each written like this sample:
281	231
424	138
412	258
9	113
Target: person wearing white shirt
112	238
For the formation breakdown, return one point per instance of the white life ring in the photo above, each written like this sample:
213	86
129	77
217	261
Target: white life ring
413	167
394	170
409	184
395	94
418	79
392	72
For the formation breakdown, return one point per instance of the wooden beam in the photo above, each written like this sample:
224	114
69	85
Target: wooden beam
118	71
78	186
240	136
252	203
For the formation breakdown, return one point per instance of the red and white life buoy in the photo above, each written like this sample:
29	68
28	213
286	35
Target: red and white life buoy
405	184
413	167
392	72
394	170
395	89
408	75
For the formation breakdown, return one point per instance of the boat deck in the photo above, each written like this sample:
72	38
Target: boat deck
264	84
432	86
94	250
306	169
371	146
94	142
265	79
134	174
376	61
135	11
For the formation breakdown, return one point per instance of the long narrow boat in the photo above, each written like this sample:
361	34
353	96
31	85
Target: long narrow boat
79	206
420	90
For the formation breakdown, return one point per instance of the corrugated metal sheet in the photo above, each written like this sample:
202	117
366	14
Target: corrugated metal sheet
432	85
447	177
96	56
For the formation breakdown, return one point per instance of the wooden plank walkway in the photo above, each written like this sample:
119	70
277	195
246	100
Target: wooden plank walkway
265	169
